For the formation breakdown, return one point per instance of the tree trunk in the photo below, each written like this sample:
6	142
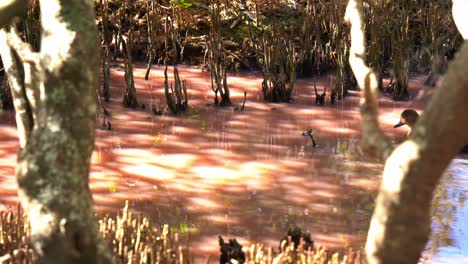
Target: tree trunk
56	109
129	99
107	39
401	220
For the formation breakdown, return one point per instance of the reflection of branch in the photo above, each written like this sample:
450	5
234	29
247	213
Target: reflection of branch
367	80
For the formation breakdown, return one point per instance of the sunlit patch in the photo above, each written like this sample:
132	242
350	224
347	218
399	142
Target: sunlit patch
215	175
185	186
57	48
102	174
175	161
149	171
334	240
159	139
185	130
320	208
292	179
397	165
96	157
103	186
134	154
204	203
9	132
255	173
308	111
207	245
8	160
298	195
221	219
324	194
363	183
112	187
340	130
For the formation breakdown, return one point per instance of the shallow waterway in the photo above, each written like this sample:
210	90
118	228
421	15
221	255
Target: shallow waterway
249	174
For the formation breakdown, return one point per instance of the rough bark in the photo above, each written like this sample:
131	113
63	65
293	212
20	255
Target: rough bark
56	110
413	169
14	57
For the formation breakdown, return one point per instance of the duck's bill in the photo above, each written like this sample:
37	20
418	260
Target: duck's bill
398	125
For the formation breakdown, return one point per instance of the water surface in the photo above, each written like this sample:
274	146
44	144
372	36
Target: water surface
249	175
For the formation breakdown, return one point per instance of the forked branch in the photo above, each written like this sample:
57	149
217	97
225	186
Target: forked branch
367	81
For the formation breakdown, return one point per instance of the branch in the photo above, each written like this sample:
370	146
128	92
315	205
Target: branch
10	9
15	72
460	17
24	49
415	167
31	66
367	80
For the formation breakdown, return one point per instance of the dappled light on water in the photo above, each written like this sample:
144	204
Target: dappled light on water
217	171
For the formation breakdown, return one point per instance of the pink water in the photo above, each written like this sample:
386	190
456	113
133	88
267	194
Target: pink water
247	174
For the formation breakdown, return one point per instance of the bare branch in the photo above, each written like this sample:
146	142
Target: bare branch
459	13
24	49
15	71
367	80
10	9
414	168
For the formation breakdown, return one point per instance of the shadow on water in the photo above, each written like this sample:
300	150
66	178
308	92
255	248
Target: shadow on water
248	175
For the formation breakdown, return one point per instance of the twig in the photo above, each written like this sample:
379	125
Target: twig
310	134
245	98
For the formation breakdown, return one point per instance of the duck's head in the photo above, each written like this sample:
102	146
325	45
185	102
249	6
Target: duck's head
408	117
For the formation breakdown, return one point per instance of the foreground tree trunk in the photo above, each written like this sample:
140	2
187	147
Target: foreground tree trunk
54	92
401	221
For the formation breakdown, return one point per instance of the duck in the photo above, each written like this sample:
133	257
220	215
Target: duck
409	117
